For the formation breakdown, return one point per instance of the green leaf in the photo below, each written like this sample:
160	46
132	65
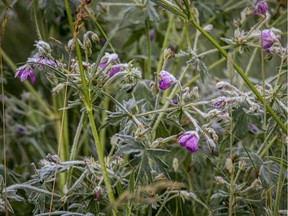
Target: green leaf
240	129
203	70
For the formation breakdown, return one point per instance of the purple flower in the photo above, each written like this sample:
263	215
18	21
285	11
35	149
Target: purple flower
166	81
189	140
20	130
174	101
261	8
110	59
24	72
268	39
41	61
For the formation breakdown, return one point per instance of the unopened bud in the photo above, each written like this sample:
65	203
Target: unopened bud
98	193
208	27
242	164
57	88
229	165
188	195
219	180
256	184
168	53
175	164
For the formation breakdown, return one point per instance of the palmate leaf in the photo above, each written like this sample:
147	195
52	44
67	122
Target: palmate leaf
242	119
144	158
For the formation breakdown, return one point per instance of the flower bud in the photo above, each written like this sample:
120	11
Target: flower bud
253	129
95	38
208	27
98	193
219	180
168	53
175	101
242	164
229	165
256	184
175	164
188	195
220	85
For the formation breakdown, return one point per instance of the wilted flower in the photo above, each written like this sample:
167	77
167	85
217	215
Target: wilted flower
189	140
166	81
24	72
219	102
261	8
268	38
110	59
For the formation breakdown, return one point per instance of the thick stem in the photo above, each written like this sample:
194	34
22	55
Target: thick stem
100	156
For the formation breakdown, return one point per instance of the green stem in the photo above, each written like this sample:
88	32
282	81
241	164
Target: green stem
88	106
75	147
101	156
279	185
